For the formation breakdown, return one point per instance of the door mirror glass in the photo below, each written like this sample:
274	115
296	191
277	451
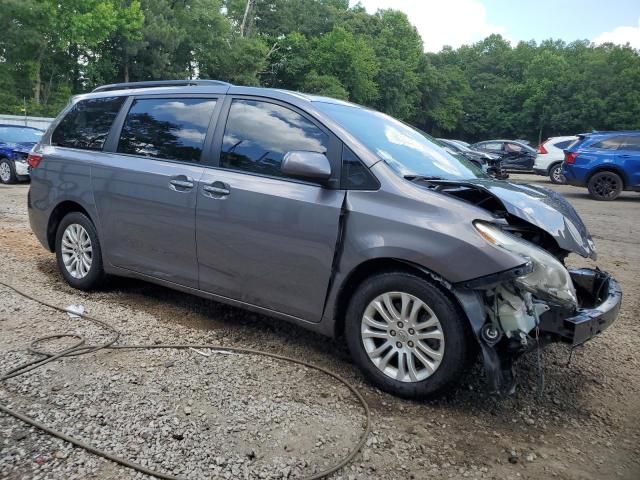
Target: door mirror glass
306	165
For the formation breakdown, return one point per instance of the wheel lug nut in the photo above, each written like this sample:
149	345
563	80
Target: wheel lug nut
411	331
400	325
410	344
392	333
399	344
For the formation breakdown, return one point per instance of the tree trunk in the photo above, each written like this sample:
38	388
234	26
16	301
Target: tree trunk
244	25
38	80
540	135
74	52
126	69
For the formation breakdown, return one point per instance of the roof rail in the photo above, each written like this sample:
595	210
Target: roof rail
159	83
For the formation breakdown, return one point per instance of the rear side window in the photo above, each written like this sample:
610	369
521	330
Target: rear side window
258	134
87	124
564	144
355	176
168	128
631	143
491	146
611	143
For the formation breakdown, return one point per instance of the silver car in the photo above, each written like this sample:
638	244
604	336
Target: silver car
322	213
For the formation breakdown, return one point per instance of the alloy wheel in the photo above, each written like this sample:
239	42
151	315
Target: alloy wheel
5	172
402	336
605	186
557	175
77	251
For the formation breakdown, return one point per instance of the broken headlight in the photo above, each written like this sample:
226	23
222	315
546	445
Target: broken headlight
549	279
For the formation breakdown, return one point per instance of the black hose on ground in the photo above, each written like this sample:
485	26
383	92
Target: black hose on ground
81	348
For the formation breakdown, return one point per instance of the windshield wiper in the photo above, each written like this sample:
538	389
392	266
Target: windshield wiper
425	178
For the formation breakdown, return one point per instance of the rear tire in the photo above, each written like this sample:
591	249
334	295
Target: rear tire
78	252
7	172
556	176
605	186
410	355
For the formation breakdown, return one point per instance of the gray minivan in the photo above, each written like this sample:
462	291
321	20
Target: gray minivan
320	212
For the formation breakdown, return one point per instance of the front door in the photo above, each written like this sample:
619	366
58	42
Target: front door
264	239
628	158
146	192
516	157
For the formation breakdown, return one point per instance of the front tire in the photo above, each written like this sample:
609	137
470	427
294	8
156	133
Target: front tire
556	176
7	172
78	252
605	186
406	335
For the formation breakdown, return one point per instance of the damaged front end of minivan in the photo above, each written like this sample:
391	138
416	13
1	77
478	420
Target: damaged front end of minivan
541	300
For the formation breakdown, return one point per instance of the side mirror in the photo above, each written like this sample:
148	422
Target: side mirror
306	165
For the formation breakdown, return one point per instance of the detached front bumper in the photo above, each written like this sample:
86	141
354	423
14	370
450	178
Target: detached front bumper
599	296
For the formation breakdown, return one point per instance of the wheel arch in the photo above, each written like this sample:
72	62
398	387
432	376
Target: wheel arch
553	164
57	214
376	266
609	168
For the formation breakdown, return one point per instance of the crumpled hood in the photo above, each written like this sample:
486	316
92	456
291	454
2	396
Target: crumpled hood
543	208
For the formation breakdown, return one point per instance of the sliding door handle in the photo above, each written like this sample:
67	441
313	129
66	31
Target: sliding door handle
216	190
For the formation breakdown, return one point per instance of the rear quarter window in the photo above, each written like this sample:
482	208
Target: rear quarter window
631	143
87	124
611	143
563	144
493	146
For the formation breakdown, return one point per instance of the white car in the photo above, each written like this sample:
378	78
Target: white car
550	157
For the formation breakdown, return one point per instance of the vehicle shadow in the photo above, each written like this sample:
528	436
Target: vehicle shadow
230	324
625	197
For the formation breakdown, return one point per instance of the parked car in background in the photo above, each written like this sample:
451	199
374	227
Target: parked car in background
15	144
515	155
605	162
489	162
460	142
550	157
319	212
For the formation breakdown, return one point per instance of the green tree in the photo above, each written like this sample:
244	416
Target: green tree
348	58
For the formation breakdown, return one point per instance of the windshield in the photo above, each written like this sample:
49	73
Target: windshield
19	135
408	151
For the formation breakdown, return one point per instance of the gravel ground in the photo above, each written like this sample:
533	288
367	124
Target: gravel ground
245	416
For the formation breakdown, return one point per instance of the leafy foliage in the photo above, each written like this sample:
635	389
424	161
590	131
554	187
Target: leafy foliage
51	49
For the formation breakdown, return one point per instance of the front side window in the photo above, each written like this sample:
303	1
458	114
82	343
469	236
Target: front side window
168	128
87	124
258	134
513	148
611	143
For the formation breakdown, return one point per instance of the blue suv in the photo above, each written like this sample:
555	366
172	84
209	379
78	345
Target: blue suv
15	143
605	162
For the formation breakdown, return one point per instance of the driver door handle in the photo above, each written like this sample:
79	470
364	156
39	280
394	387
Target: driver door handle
216	190
181	183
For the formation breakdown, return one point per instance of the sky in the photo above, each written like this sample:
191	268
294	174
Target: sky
459	22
